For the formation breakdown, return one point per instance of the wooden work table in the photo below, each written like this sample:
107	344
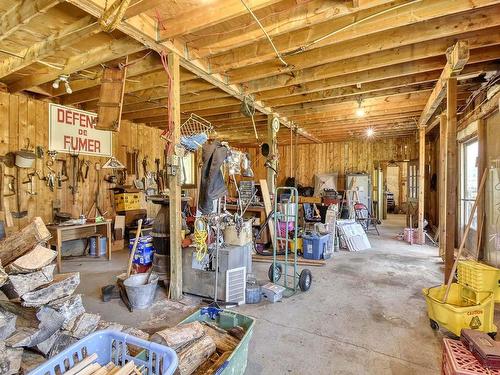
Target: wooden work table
61	233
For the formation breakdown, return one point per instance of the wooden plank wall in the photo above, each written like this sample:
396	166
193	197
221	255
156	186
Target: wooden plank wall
341	157
22	117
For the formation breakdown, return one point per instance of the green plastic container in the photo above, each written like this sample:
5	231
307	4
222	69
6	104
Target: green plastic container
236	364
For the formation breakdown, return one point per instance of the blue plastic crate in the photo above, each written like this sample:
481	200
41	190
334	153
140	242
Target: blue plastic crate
111	346
315	246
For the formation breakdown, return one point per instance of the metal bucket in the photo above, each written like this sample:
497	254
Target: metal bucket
140	294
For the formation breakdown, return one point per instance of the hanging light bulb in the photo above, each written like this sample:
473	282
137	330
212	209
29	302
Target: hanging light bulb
360	111
68	88
55	84
370	132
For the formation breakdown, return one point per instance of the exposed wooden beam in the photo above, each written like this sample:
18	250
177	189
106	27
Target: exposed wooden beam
422	53
174	186
440	34
415	22
278	18
22	12
421	185
206	16
457	59
148	81
95	56
83	28
451	175
306	104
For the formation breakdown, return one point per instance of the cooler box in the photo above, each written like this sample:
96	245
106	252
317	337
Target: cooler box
315	246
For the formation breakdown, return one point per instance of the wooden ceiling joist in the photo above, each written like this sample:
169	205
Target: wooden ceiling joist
203	17
21	13
427	34
83	28
413	23
90	58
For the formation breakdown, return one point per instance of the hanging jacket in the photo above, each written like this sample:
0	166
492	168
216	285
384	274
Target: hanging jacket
212	184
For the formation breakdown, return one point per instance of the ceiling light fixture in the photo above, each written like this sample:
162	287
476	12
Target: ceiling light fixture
64	78
360	111
370	132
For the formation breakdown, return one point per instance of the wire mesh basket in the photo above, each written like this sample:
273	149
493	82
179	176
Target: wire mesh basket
194	132
195	125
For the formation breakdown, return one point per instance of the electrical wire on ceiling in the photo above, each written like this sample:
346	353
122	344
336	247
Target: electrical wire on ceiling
280	58
305	47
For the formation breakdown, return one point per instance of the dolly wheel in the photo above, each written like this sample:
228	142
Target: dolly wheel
305	280
275	271
492	335
434	324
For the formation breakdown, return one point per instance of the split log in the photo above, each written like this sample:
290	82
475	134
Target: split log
223	341
10	359
70	307
3	276
62	286
46	346
91	369
20	284
195	354
179	336
83	325
203	368
48	322
217	364
237	332
7	324
64	341
19	243
29	361
32	261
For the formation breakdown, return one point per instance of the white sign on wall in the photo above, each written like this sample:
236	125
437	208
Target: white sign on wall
74	130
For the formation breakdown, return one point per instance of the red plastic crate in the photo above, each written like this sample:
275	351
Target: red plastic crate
457	360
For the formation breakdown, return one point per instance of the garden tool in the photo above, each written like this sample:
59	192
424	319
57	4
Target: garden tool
18	214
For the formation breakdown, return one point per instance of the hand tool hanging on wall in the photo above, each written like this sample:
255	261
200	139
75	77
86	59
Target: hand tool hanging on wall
62	176
18	214
98	210
74	174
159	176
30	176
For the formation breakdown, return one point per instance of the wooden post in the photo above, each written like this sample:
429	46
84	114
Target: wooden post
271	141
384	189
451	175
481	167
421	184
443	147
175	188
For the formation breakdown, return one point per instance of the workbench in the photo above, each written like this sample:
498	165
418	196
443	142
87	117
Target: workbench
61	233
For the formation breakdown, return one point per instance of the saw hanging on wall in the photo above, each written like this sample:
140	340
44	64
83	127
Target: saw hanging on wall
109	107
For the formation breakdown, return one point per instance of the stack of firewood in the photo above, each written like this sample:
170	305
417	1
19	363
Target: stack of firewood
39	315
201	347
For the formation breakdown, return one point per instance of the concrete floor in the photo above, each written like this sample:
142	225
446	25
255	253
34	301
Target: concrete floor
364	313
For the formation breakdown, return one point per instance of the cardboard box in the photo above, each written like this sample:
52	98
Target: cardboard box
127	201
118	245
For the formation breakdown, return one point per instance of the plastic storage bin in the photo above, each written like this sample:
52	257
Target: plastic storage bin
237	362
459	312
315	246
111	346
